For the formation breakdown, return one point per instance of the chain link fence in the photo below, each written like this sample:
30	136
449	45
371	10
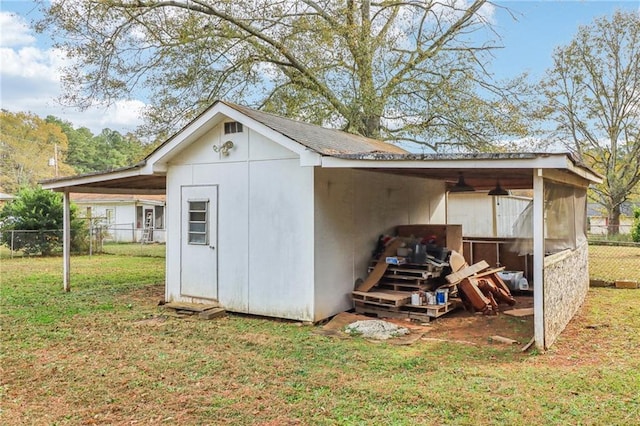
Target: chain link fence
97	239
611	260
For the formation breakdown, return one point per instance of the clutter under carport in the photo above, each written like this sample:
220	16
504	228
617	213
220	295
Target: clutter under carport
418	275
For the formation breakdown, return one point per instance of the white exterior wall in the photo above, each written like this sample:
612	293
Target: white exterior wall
482	215
123	228
265	224
352	208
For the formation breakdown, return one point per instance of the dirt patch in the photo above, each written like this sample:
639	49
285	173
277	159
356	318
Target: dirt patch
458	326
476	328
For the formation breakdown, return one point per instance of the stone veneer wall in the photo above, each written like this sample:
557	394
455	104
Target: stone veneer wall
566	282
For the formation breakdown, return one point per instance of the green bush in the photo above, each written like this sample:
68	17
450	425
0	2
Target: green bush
39	212
635	228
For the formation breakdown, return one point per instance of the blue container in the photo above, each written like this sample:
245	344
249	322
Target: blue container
442	294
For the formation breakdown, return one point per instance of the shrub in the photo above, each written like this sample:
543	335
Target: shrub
635	228
40	212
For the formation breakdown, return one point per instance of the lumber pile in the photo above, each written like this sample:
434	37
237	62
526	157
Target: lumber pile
399	286
481	289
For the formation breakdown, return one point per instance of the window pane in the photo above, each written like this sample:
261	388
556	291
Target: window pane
198	206
197	216
197	227
198	223
197	238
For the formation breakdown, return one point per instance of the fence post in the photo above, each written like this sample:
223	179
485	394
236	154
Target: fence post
66	242
90	237
12	232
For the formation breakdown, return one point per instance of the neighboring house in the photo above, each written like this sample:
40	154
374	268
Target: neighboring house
598	221
124	217
276	217
5	198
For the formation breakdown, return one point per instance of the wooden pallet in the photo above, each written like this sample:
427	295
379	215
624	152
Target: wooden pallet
413	269
382	297
404	286
417	312
434	311
380	312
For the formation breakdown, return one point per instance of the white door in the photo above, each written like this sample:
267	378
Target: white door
199	237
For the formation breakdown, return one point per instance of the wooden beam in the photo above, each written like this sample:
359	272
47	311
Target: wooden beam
66	242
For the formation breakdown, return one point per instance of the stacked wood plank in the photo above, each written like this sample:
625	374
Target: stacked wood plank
480	289
388	289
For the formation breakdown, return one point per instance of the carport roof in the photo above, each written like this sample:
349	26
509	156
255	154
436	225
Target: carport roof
333	149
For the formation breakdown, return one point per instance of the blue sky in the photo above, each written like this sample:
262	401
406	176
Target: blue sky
29	80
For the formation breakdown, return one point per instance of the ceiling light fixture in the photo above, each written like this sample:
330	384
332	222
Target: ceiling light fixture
498	190
461	185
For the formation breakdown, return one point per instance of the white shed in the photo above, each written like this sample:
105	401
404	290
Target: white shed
276	217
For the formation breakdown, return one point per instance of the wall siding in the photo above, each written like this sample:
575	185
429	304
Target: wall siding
352	208
566	282
265	224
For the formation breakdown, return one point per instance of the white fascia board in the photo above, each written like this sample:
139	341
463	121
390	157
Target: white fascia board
583	172
308	157
158	160
83	180
551	161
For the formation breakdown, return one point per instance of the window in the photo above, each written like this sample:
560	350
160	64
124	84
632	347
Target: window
232	127
110	216
198	222
159	213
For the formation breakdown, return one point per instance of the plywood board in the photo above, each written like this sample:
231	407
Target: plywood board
380	268
523	312
467	272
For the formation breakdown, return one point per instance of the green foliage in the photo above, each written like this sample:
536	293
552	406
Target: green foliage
106	151
39	211
635	228
401	71
592	100
28	144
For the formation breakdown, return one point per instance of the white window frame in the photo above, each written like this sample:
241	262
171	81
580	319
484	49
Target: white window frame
191	233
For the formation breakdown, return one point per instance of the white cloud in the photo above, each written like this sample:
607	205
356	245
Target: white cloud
14	31
30	82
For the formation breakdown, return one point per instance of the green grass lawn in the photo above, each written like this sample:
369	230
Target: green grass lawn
105	353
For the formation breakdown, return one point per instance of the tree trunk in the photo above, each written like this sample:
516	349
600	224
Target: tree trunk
614	221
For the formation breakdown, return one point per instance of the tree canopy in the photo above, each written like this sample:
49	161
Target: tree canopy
398	71
593	98
106	151
30	150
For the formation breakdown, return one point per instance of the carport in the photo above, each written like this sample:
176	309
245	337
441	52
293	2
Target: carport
555	238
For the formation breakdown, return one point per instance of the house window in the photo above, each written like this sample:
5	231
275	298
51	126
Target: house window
159	213
110	216
198	222
232	127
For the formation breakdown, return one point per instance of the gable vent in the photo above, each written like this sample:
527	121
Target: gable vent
232	127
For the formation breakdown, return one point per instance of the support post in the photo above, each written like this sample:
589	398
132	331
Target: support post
538	258
66	241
